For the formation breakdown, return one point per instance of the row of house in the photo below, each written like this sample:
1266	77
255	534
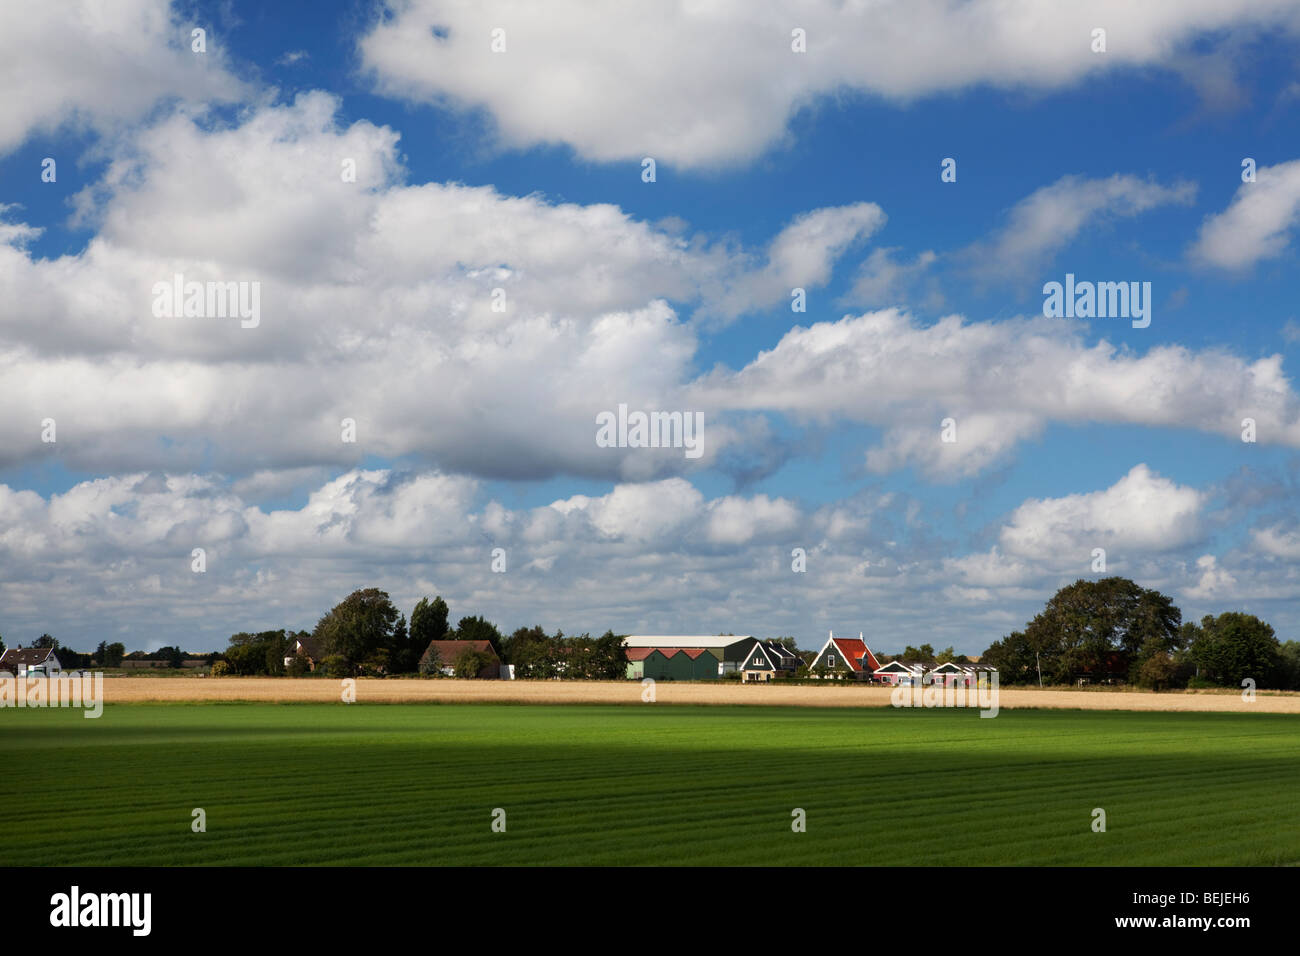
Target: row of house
659	657
664	657
856	660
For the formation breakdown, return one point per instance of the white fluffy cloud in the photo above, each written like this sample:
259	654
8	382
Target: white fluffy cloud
710	83
1000	382
98	65
111	559
1259	222
1141	512
377	304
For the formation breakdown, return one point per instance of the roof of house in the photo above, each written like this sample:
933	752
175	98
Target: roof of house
855	652
313	647
638	653
666	641
782	654
911	667
740	649
448	651
26	656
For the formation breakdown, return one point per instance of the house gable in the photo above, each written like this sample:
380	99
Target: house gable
850	653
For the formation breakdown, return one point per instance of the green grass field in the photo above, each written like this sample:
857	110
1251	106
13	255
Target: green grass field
650	784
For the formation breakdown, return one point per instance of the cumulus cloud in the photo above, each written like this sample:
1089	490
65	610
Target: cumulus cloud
1258	223
378	304
734	81
110	558
1001	383
1143	511
99	66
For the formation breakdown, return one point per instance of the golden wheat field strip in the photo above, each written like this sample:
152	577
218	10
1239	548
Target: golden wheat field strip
317	690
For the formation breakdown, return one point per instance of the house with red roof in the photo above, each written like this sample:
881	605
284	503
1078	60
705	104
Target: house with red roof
845	655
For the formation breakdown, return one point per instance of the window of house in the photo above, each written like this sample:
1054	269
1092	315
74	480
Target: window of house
830	660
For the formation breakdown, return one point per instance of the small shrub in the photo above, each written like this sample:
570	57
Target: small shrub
220	669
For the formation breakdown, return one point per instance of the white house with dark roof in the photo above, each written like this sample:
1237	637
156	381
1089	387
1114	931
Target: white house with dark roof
30	661
952	674
900	672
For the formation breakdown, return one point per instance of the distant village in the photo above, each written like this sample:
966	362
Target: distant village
657	657
1104	631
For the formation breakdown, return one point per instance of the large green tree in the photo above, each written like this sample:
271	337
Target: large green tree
1234	646
429	621
360	629
405	650
1087	621
609	659
1014	659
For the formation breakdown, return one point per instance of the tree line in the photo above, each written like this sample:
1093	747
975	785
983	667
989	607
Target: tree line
1114	629
365	634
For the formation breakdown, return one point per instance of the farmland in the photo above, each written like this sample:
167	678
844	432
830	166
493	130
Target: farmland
778	693
393	784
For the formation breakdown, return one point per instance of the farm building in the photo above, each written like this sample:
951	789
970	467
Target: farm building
846	655
679	663
715	642
677	657
757	660
636	661
446	653
29	661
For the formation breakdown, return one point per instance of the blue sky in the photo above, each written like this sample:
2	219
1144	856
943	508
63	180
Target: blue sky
1123	165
